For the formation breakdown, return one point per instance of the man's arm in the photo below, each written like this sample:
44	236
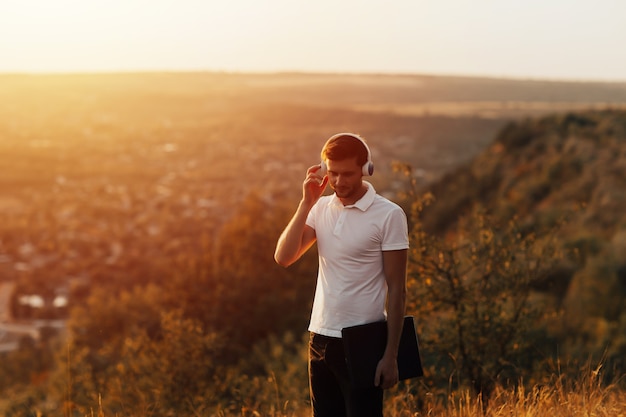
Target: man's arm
394	264
297	237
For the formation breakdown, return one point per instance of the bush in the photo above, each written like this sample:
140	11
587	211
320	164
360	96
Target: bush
471	292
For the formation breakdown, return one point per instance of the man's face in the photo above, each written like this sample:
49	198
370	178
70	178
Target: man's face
344	177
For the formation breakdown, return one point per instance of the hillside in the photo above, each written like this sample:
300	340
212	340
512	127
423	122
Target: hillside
150	204
572	168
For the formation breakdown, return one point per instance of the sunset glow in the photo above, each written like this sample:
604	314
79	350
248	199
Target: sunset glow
532	39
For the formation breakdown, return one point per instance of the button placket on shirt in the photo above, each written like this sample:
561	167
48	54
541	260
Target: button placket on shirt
340	222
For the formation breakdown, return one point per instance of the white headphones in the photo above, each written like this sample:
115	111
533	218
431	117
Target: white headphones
368	167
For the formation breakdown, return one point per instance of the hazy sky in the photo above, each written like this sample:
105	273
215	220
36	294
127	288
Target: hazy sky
554	39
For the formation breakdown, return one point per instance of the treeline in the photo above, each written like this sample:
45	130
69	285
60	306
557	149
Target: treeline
179	343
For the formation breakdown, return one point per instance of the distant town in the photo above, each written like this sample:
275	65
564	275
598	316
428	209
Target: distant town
14	331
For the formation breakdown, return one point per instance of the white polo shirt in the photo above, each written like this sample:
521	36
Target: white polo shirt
351	286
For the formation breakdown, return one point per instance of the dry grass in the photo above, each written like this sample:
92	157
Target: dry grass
586	396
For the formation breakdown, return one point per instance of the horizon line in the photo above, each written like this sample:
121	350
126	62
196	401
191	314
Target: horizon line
310	72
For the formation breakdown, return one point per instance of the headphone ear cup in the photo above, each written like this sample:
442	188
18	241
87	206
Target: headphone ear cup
368	168
323	169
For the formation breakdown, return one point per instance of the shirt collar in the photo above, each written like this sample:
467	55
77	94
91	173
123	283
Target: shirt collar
363	203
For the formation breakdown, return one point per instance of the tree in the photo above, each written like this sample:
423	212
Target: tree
169	374
472	292
252	295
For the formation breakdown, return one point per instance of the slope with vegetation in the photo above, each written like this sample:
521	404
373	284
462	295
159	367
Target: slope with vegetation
565	173
155	201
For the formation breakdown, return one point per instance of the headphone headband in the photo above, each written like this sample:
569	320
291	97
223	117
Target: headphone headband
368	167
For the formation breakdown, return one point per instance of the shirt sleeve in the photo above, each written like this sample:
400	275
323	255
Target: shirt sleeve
396	231
310	218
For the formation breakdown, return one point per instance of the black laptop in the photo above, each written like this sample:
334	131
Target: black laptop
365	344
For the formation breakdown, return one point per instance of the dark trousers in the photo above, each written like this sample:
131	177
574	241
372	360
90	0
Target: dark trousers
331	393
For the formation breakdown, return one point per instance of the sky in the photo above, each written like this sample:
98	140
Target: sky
529	39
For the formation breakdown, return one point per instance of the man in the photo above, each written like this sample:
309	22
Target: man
362	242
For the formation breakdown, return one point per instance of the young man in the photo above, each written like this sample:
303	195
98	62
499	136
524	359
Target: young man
362	242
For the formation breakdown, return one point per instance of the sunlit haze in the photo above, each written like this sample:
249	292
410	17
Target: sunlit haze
550	39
